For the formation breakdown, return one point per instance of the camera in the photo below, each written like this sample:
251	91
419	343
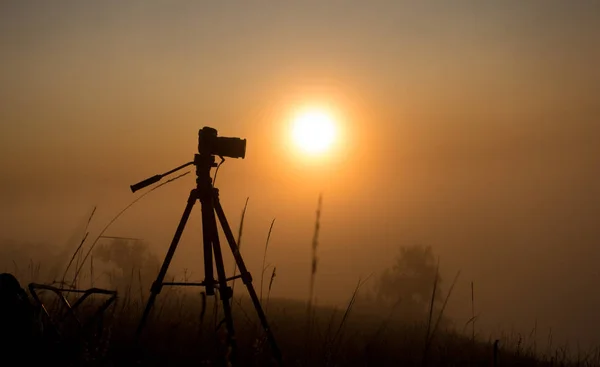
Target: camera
211	144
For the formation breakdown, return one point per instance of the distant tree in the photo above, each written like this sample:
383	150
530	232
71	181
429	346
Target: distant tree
133	260
410	280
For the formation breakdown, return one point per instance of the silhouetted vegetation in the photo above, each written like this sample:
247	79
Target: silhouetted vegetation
409	281
128	264
374	329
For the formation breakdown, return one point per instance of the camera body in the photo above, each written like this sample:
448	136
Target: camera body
210	143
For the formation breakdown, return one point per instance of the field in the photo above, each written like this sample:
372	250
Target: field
184	330
186	327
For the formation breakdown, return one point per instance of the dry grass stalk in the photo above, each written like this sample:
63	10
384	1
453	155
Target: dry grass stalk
78	249
337	337
433	292
314	258
473	312
273	275
115	219
263	269
437	323
313	273
239	242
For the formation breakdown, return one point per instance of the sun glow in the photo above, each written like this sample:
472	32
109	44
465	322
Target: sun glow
313	131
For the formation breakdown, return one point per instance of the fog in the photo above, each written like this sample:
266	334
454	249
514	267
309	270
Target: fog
479	141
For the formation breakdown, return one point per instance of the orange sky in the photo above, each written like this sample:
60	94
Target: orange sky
471	127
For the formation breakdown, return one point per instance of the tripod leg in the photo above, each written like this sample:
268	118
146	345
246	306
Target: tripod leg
208	234
158	283
225	292
246	277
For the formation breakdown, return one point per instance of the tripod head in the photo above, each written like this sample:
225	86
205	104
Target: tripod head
209	146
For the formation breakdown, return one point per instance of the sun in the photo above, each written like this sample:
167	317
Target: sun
313	131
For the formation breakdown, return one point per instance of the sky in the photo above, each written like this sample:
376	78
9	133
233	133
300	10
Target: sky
469	126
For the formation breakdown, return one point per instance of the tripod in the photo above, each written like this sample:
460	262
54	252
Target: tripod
208	196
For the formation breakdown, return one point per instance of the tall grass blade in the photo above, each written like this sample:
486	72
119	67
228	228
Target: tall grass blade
472	312
437	323
429	319
314	258
313	272
239	243
339	332
78	249
439	319
262	273
118	216
273	275
431	305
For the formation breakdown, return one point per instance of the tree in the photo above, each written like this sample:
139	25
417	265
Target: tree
410	280
133	260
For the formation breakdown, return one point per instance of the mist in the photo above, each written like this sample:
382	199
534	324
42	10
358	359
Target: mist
479	141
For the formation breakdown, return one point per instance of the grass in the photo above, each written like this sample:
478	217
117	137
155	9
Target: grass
180	331
355	337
